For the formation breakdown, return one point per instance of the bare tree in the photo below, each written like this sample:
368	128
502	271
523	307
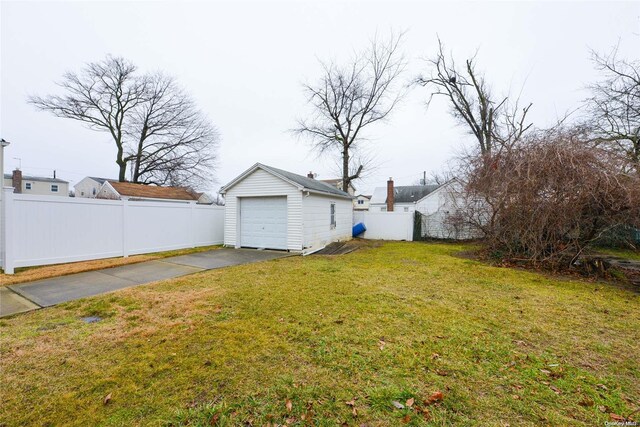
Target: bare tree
348	99
495	122
174	141
102	95
156	127
614	106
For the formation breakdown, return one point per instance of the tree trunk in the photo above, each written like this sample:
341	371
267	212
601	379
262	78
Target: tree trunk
138	158
122	164
345	168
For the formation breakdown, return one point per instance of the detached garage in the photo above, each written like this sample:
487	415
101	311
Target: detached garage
269	208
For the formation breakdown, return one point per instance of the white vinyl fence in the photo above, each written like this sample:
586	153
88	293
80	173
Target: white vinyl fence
386	225
39	230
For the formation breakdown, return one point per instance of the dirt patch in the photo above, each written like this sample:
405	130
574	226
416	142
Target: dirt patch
342	248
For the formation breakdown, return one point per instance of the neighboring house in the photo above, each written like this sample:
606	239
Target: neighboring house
274	209
361	202
439	209
337	182
398	199
129	191
89	186
37	185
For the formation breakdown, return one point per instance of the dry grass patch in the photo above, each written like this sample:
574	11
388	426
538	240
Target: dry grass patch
29	274
291	341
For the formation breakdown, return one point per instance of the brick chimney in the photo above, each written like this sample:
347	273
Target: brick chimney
16	181
311	175
391	199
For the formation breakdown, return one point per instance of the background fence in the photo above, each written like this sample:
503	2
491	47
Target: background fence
40	230
386	225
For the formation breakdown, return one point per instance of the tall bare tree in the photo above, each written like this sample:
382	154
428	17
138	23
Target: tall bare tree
614	106
103	96
157	129
494	121
174	141
350	98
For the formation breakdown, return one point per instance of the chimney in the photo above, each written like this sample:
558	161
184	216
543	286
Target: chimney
16	181
311	175
390	195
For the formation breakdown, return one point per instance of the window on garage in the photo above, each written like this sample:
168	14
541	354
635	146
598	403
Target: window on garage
333	215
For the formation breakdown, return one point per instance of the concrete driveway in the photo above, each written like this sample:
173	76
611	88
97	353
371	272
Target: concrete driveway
44	293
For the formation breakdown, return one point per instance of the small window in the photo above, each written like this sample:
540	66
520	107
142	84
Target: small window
82	193
94	191
384	209
333	215
361	202
54	188
27	186
406	209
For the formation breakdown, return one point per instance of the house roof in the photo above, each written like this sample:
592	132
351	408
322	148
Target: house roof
130	189
304	182
404	193
101	180
37	178
364	195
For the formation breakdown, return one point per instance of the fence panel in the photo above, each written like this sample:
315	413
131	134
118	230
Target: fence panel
386	225
40	230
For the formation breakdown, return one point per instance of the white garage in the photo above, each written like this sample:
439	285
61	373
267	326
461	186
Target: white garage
269	208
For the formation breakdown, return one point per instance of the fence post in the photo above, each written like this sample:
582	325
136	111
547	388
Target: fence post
8	230
192	226
125	242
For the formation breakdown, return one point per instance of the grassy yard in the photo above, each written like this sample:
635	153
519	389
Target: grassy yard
331	340
620	253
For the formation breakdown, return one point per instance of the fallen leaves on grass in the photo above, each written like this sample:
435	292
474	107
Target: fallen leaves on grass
616	417
289	405
409	402
555	389
106	399
434	398
381	344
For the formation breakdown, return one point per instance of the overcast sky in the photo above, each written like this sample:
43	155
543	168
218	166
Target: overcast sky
244	63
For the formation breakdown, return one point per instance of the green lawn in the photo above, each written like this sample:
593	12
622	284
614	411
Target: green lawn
620	253
291	341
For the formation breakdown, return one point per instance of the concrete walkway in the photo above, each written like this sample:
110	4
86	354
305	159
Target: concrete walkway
44	293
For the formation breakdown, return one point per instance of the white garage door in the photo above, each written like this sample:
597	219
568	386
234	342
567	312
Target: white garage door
263	222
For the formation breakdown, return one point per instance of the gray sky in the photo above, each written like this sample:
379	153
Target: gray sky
244	63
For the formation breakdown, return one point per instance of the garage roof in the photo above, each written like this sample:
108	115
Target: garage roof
302	182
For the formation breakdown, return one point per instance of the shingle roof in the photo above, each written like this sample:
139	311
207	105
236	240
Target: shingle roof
130	189
413	193
308	183
37	178
404	193
101	180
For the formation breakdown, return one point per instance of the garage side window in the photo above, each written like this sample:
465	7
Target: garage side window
333	215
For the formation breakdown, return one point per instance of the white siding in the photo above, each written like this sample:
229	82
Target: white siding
317	220
397	207
259	184
438	207
87	187
41	188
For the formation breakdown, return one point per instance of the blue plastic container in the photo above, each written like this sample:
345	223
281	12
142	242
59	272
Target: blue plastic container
358	229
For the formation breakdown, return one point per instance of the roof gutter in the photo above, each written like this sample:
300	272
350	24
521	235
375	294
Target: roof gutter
324	193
